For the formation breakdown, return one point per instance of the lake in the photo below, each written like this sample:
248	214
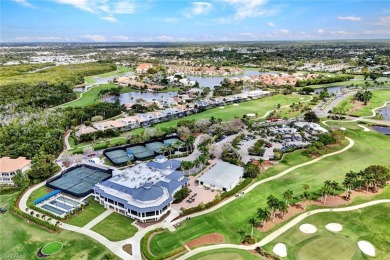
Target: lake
209	81
382	129
385	112
131	97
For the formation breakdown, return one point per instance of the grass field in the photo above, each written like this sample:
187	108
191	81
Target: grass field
120	70
42	191
371	224
370	148
25	239
379	97
226	254
115	227
358	80
90	97
52	248
82	218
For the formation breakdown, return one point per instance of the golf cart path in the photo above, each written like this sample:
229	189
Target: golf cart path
282	229
351	143
99	218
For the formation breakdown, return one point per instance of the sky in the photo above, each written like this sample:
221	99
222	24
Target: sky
189	21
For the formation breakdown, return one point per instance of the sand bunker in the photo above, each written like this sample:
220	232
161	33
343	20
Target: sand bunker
334	227
367	248
308	228
280	249
343	128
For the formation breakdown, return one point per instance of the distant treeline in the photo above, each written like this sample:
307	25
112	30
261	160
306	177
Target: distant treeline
45	88
322	80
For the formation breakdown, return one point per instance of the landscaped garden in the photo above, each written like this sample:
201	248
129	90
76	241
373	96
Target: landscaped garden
234	216
90	212
115	227
24	239
369	224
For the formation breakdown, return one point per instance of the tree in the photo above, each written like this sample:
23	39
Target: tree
253	222
264	215
181	194
20	180
241	232
251	170
381	175
311	117
288	195
282	207
170	149
272	203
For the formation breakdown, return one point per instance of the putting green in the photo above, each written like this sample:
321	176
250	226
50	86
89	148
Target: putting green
330	248
51	248
225	256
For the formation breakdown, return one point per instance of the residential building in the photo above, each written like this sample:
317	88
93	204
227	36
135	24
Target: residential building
9	167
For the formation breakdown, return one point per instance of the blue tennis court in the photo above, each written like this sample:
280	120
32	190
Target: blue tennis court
61	205
53	209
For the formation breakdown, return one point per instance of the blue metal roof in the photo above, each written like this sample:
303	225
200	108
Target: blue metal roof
174	164
51	194
175	176
148	194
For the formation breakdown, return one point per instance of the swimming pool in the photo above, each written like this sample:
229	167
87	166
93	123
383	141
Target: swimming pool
61	205
53	209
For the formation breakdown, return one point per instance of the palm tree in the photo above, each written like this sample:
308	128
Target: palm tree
190	142
282	207
241	232
264	215
288	195
272	203
253	222
196	163
305	196
325	192
261	164
170	149
347	183
335	186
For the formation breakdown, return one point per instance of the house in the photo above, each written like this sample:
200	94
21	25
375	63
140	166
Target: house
222	176
143	192
143	68
9	167
104	125
83	130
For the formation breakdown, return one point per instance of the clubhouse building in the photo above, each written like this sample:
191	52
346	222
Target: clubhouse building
9	167
143	192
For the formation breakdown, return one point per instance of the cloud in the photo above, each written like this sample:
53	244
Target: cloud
282	31
121	38
94	37
25	3
250	8
271	24
349	18
320	31
384	20
198	8
168	20
102	7
110	19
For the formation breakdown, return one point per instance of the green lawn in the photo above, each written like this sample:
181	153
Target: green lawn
52	248
115	227
369	224
226	253
370	148
120	70
82	218
42	191
90	97
25	239
379	97
358	80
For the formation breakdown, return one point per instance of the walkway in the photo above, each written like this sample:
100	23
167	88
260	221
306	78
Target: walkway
99	218
282	229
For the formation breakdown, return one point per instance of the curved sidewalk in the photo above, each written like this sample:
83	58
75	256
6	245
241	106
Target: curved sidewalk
283	229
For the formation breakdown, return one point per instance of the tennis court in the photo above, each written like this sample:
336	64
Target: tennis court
155	146
78	181
173	141
119	157
53	209
140	152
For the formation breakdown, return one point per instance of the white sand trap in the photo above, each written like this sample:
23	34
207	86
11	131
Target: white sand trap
222	107
334	227
308	228
280	249
235	104
343	128
367	248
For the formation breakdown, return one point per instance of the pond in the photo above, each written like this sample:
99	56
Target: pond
382	129
131	97
385	112
209	81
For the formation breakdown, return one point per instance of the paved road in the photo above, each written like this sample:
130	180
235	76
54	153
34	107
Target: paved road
282	229
324	112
